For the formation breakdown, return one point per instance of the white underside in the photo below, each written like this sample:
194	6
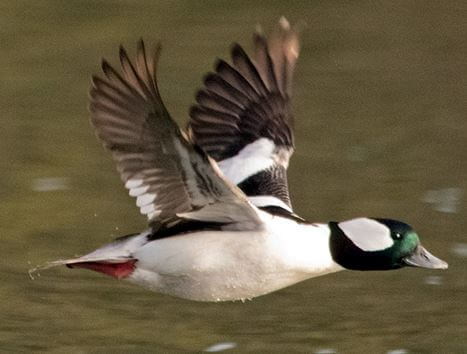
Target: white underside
223	265
213	266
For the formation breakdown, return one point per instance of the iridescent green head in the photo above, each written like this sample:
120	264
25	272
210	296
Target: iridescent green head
379	244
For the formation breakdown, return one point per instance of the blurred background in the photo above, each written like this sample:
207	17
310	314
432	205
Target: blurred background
380	105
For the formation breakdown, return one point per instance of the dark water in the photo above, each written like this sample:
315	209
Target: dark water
380	100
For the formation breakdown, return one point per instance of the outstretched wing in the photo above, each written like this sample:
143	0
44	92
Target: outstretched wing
243	116
169	175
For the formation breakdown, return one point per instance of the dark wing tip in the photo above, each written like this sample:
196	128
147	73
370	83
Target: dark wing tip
209	77
194	109
236	48
95	80
140	48
124	58
200	95
237	52
121	51
221	65
105	66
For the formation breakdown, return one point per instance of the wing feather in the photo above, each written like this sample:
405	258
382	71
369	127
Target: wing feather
168	175
243	114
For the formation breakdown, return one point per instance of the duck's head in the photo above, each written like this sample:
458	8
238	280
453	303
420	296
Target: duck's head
379	244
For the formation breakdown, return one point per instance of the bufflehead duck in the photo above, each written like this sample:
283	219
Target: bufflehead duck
221	224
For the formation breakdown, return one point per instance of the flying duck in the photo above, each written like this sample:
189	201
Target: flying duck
221	223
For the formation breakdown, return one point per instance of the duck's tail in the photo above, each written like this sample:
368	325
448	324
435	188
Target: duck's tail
114	259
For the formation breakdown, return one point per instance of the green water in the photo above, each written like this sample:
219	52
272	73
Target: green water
380	101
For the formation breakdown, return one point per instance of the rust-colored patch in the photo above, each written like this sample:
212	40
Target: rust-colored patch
116	270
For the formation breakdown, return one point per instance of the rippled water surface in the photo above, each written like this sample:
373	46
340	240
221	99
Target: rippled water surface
380	101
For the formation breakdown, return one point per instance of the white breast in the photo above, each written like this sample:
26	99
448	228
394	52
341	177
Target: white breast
210	266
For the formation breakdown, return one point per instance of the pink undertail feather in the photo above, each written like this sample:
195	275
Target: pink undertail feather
119	270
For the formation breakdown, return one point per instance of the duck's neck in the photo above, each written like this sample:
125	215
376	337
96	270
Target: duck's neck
304	247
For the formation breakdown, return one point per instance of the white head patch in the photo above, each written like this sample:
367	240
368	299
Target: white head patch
367	234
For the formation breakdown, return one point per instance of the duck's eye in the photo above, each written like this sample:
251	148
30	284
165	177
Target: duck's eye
398	235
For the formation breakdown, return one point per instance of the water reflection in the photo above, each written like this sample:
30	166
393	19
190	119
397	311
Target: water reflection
434	280
460	249
48	184
325	351
445	200
219	347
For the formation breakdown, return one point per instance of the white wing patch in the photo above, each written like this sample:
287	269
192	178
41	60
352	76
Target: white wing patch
144	200
253	158
133	184
367	234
